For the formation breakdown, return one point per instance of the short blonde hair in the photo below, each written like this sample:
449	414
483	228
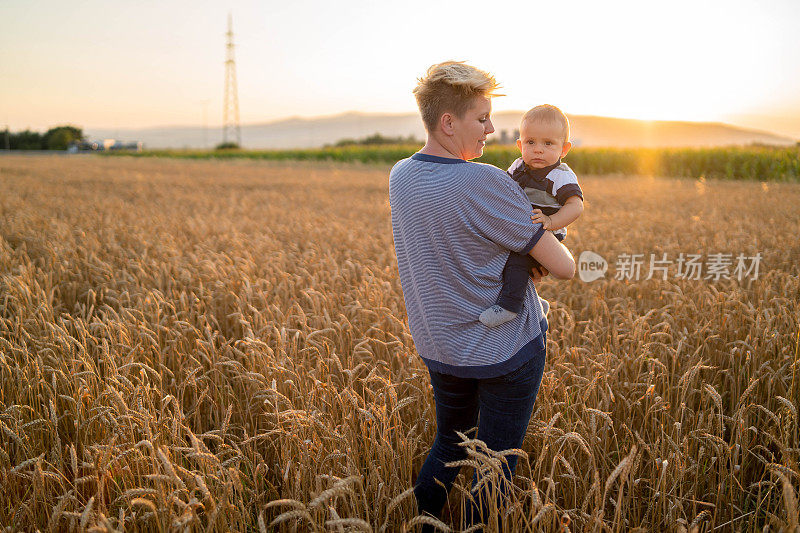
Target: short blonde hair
450	87
549	114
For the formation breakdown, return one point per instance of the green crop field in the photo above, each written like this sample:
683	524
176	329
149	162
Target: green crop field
752	163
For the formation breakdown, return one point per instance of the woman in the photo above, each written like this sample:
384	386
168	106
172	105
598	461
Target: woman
454	223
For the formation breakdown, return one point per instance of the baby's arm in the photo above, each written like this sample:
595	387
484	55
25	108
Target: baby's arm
565	216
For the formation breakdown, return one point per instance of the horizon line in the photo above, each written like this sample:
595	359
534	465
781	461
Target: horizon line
304	118
308	118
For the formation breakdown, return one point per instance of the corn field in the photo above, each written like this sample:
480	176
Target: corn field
756	163
223	345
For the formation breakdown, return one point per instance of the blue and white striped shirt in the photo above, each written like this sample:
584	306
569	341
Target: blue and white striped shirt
454	223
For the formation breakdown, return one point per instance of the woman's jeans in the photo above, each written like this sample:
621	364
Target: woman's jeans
500	407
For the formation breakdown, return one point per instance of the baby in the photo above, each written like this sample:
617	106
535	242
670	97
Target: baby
555	196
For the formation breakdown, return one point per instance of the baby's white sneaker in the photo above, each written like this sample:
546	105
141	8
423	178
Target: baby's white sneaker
496	315
545	306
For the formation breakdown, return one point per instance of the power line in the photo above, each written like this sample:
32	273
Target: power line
231	131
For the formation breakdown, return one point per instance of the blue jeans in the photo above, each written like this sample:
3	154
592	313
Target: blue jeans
500	407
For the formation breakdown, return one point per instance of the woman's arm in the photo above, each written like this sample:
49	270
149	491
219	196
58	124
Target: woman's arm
554	256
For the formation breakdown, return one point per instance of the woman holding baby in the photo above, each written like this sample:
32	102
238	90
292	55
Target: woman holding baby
454	224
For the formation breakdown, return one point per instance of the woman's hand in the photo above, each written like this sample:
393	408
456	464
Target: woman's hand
538	274
541	218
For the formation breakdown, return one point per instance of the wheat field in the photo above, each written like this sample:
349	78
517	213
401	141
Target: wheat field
223	346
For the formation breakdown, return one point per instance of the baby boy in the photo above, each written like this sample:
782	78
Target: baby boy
555	196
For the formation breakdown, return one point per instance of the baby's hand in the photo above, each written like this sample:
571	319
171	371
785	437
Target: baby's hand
541	218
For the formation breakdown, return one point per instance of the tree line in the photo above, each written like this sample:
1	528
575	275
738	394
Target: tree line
375	140
57	138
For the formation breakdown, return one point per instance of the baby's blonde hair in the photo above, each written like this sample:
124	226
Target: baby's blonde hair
549	114
450	87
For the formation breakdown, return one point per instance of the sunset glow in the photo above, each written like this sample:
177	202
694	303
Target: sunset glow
149	64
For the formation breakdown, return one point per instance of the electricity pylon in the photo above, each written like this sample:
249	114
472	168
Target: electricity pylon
231	131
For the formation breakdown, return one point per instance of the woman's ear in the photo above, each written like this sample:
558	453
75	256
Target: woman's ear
446	124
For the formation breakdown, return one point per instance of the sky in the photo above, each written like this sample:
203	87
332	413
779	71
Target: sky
157	63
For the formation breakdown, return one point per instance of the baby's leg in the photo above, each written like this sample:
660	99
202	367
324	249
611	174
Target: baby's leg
515	281
512	295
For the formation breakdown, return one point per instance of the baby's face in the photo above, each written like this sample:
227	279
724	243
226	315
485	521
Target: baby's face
542	143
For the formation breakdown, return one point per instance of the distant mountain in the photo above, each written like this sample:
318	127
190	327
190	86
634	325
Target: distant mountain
300	132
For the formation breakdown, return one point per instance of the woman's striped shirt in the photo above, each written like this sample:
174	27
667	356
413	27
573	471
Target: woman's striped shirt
454	223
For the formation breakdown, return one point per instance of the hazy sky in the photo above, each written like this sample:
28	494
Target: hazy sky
149	63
